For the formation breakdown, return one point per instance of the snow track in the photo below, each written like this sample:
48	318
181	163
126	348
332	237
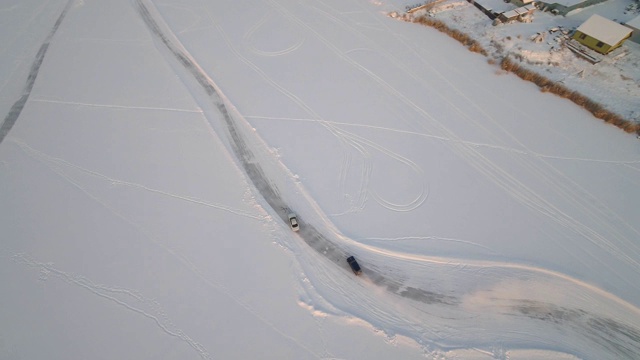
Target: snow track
490	301
128	299
17	107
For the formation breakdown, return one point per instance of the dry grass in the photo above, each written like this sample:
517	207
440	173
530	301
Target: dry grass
545	84
458	35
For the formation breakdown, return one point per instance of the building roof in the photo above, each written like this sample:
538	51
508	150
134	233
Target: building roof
523	10
603	29
634	23
495	5
510	14
566	3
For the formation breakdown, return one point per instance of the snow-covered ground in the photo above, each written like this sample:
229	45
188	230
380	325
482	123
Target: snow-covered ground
154	147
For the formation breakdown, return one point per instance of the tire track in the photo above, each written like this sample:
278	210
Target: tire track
248	39
347	140
128	299
15	111
58	165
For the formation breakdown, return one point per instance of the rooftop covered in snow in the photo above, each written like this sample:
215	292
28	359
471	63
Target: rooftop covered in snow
603	29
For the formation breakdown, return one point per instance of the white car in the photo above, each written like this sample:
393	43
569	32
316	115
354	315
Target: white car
293	222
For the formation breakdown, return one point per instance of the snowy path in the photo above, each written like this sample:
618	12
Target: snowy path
17	107
591	332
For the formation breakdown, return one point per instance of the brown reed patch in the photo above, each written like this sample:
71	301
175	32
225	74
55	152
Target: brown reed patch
547	85
458	35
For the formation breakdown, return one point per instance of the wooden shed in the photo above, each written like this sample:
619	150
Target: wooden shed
517	14
601	34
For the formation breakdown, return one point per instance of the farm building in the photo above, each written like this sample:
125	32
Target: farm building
517	14
634	25
601	34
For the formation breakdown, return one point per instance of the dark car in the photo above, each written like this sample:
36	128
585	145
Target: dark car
354	265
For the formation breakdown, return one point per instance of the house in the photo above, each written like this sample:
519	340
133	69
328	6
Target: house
601	34
634	25
491	8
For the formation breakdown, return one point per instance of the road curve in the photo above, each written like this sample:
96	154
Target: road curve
612	337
